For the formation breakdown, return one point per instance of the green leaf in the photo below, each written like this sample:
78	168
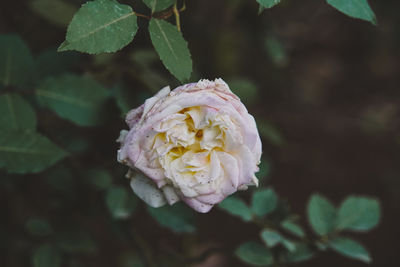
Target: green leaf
100	26
293	228
100	178
268	3
158	5
57	12
46	256
78	99
75	240
350	248
254	253
38	227
27	151
172	48
16	113
359	9
321	214
276	51
245	89
237	207
16	62
120	202
302	253
271	238
178	217
358	214
270	132
264	202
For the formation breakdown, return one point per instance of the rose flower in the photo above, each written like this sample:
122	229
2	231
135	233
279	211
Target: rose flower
196	143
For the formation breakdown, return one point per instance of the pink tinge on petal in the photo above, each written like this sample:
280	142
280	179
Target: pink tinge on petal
211	199
197	205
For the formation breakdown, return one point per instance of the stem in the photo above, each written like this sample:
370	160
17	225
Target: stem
177	19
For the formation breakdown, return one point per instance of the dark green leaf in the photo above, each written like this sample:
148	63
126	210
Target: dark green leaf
293	228
56	12
271	238
254	253
100	26
276	51
321	214
78	99
27	151
359	9
178	217
38	227
158	5
302	253
16	113
245	89
350	248
172	48
16	62
268	3
120	202
100	178
236	206
358	214
264	201
46	256
270	132
75	240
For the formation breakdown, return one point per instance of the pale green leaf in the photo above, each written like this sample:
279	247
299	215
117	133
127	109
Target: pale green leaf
178	217
46	256
350	248
293	228
237	207
78	99
158	5
268	3
100	26
26	151
172	48
264	201
120	202
254	253
359	9
301	253
16	113
16	62
321	214
358	214
271	237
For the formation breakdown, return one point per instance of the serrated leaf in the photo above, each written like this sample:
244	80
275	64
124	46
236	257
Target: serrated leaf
26	151
321	214
78	99
16	113
358	214
158	5
271	238
100	26
264	201
237	207
268	3
350	248
46	256
16	61
293	228
254	253
359	9
38	227
120	202
178	217
172	48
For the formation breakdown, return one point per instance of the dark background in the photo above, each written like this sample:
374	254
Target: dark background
334	97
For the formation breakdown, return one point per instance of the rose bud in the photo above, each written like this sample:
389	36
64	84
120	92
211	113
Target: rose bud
196	143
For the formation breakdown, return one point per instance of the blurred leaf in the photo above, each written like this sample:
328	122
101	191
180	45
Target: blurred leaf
321	214
359	9
144	57
350	248
61	178
271	238
178	218
75	240
78	99
245	89
270	132
264	201
57	12
120	202
100	26
289	245
254	253
358	214
236	206
130	259
293	228
158	5
125	98
276	51
27	151
302	253
172	48
16	62
38	227
268	3
100	178
46	256
16	113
